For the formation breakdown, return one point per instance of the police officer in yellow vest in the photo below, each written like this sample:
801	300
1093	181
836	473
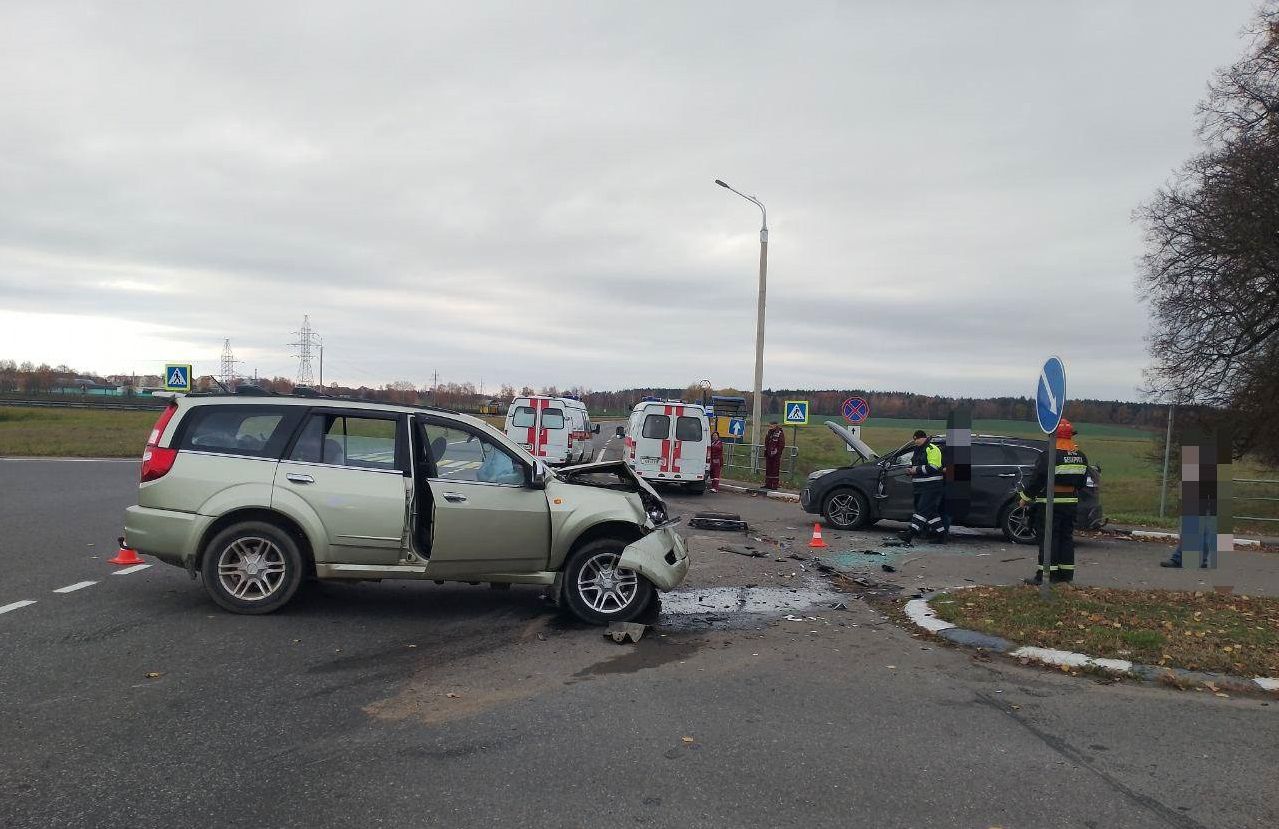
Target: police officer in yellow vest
1070	476
927	486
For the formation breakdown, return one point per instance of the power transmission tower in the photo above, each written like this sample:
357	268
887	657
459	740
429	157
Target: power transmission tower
227	374
307	344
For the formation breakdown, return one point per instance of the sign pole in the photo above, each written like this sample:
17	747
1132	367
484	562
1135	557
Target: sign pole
1045	587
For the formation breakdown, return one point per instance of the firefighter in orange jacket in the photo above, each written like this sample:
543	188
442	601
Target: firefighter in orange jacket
1070	476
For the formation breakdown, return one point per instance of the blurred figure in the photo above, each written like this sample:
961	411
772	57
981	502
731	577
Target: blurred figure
1205	490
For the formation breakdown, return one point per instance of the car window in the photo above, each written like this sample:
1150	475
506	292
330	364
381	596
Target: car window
552	418
688	428
459	455
238	430
904	458
1024	455
657	427
523	417
347	440
992	454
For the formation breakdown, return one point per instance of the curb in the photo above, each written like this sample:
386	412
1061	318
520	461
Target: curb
919	612
1162	535
788	497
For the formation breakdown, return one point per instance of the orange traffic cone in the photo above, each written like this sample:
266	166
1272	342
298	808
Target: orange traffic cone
126	556
817	541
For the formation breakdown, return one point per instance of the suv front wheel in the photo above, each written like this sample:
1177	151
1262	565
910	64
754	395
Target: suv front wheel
597	591
252	567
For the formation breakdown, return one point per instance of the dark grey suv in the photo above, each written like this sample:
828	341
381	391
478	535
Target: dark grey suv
875	487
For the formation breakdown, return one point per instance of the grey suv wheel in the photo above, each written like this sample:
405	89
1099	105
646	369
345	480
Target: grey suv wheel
252	567
846	509
597	591
1014	521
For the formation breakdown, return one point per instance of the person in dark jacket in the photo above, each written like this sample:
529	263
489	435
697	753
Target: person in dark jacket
927	486
1070	476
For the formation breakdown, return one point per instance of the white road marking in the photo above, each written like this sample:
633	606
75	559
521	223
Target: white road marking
135	568
16	605
71	588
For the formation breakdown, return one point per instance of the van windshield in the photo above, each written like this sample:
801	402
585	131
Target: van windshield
688	428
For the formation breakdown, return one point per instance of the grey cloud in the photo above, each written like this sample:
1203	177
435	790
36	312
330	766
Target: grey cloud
523	192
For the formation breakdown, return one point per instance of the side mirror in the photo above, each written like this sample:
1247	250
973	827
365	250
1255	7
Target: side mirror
621	432
539	476
595	428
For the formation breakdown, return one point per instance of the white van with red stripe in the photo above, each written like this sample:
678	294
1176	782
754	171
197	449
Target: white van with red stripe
555	429
668	440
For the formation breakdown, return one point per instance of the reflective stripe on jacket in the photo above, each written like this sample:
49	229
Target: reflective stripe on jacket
925	462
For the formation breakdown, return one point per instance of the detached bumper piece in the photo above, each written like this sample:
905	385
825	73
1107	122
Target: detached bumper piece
727	521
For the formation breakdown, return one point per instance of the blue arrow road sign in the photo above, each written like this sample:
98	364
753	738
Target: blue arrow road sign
737	426
1050	395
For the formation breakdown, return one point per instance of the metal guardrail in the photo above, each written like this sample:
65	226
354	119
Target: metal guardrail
1263	498
738	456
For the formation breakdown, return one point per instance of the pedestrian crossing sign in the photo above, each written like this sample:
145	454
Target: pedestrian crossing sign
177	377
796	413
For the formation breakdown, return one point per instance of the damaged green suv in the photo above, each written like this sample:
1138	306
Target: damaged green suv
257	492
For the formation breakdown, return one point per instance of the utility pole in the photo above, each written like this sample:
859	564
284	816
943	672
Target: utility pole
321	365
757	406
307	340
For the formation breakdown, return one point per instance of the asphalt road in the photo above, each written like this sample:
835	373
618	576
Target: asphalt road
337	710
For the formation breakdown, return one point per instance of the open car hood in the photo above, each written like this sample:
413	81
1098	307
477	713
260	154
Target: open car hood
855	443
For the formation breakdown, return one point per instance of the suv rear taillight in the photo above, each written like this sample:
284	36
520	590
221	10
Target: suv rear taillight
156	462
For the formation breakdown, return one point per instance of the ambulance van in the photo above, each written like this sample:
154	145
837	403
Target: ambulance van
580	430
668	440
553	429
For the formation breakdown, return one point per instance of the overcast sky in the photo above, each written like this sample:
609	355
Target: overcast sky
523	192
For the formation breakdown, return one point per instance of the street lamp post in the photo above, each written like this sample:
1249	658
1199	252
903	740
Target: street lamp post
757	408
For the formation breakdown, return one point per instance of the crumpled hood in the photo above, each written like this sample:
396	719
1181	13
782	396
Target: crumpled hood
618	468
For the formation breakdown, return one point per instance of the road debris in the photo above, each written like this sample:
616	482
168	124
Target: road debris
621	632
724	521
888	568
749	552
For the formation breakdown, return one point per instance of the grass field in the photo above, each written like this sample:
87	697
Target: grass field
1130	471
84	433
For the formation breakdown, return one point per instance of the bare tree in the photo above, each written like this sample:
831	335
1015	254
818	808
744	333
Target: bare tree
1211	267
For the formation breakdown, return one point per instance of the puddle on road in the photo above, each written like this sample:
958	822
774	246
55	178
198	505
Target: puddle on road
738	607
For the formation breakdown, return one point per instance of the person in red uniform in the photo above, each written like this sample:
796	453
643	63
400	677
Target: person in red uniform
715	455
774	444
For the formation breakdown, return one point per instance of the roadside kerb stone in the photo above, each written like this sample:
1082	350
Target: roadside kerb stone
788	497
919	612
